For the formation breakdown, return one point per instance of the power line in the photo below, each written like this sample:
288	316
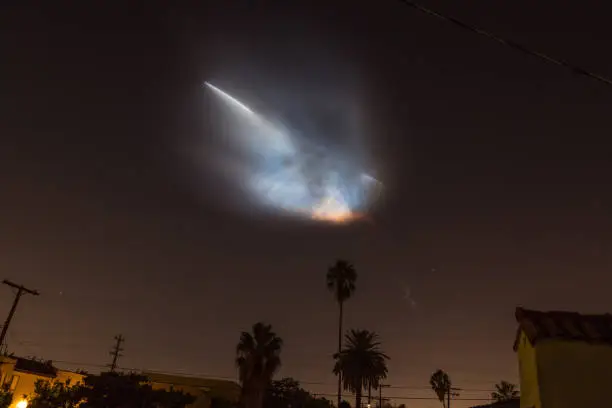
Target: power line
380	397
80	364
404	387
187	374
134	369
415	388
322	394
509	43
399	397
485	384
476	388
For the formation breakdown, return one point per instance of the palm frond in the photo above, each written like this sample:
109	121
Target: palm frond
361	362
340	279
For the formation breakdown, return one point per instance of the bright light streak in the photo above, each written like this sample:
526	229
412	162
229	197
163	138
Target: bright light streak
230	98
263	137
294	176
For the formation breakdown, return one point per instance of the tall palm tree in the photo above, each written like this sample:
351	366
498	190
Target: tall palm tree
341	278
361	363
504	391
441	384
258	359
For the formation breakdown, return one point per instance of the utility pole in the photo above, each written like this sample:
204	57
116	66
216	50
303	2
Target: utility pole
451	392
380	398
116	352
21	290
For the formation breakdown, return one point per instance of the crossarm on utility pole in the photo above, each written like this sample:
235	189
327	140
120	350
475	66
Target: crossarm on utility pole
21	290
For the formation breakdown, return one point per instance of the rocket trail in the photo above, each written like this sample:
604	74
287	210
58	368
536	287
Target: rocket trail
264	136
290	175
230	98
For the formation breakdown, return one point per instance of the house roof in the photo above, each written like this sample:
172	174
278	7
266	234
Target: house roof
513	403
563	325
44	368
214	387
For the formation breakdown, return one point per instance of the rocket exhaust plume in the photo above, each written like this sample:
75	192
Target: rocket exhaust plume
229	98
290	174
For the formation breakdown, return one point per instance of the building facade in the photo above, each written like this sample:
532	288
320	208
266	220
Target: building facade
205	390
19	376
565	359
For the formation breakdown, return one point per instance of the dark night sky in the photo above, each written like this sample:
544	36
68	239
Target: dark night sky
495	165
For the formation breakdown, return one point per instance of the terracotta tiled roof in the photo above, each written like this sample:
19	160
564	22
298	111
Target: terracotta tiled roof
564	325
513	403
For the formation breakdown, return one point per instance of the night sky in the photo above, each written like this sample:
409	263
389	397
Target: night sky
496	167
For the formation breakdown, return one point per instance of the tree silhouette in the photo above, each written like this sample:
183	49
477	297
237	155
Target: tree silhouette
504	391
258	359
341	278
6	396
319	403
55	394
284	393
107	390
287	393
116	390
216	402
441	384
361	362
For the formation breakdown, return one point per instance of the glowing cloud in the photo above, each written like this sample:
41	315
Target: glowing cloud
293	175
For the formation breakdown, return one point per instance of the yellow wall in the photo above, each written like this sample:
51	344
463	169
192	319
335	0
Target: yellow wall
27	380
564	374
25	386
75	378
574	374
528	371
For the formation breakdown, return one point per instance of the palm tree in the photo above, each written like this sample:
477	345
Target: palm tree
258	359
504	391
361	362
441	384
341	278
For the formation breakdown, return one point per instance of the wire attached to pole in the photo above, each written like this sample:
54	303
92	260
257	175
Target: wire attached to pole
509	43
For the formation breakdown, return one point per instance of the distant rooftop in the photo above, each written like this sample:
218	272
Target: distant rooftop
215	387
45	368
573	326
513	403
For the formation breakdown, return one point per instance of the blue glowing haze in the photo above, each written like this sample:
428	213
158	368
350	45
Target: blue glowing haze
295	176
